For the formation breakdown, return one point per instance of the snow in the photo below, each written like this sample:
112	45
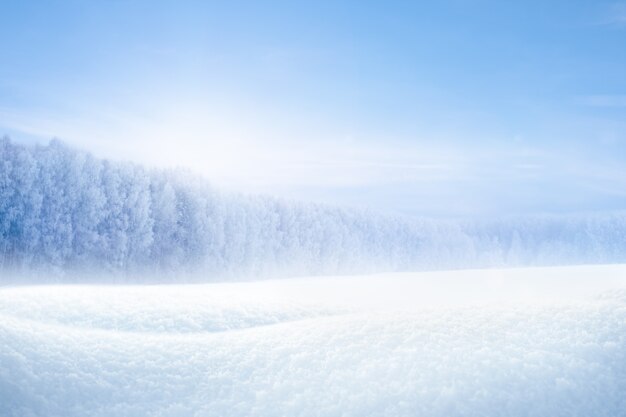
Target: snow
507	342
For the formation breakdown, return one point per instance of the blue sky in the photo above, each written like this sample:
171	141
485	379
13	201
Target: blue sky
436	108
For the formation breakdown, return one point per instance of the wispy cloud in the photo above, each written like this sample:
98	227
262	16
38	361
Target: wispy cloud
616	15
619	13
603	100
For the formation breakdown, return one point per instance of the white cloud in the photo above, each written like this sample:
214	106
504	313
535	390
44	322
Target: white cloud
615	15
603	100
619	13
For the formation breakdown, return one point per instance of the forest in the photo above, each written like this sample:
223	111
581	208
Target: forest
66	212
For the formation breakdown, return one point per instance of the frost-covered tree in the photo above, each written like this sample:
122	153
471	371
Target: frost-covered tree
63	210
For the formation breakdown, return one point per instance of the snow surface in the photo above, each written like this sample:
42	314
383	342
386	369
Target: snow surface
518	342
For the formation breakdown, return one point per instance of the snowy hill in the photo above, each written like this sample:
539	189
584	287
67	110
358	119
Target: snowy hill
519	342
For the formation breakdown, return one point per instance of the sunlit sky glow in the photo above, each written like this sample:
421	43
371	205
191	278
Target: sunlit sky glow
437	108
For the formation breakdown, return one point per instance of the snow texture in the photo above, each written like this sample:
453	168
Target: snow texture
511	343
64	214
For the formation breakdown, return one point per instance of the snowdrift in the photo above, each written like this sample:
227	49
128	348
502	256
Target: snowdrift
64	213
526	342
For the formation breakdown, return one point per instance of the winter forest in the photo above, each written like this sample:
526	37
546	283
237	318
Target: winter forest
65	211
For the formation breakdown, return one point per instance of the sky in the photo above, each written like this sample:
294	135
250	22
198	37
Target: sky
450	108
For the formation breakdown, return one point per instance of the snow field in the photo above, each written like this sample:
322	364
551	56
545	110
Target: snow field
519	342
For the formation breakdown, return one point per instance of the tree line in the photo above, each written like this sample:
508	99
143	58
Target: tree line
63	210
